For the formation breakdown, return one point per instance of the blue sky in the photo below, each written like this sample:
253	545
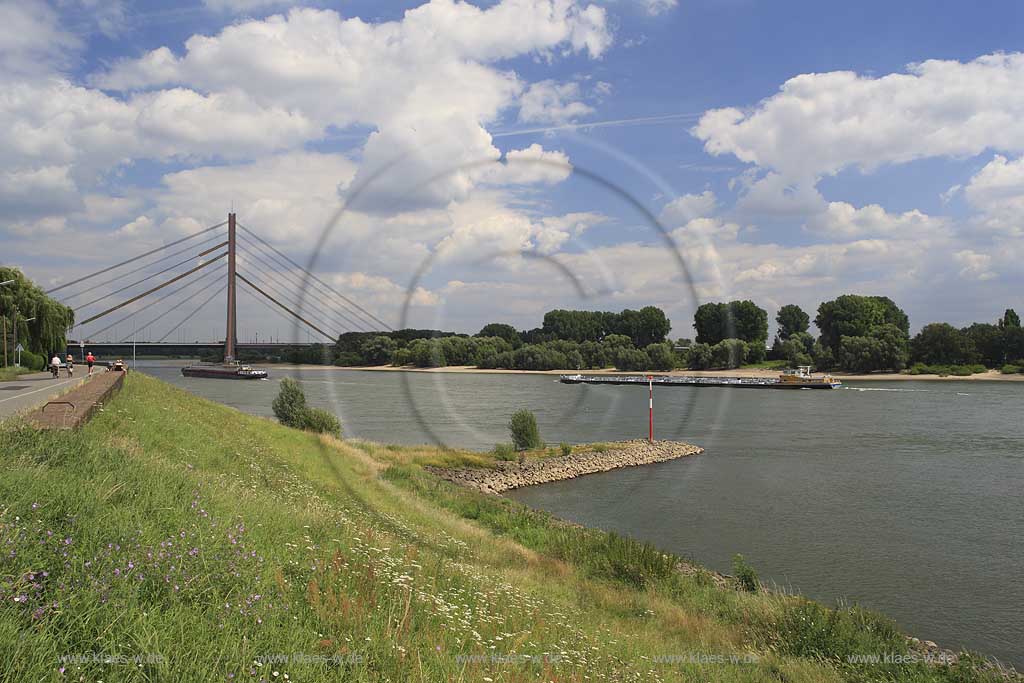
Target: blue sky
793	151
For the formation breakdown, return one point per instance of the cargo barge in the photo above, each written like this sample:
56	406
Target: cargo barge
801	378
226	371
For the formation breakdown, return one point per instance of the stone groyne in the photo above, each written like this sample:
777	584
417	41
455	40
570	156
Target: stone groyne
512	475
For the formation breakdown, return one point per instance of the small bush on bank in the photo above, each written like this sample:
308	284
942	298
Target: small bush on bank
321	421
1010	369
523	430
291	410
566	449
504	451
290	403
746	577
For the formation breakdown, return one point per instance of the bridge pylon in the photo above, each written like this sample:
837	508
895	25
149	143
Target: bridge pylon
231	335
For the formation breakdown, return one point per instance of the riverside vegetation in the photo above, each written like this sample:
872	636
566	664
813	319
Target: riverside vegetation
172	538
859	334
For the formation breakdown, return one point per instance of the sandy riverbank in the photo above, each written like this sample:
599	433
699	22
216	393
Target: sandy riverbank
991	375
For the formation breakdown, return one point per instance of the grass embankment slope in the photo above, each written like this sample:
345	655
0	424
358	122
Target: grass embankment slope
183	541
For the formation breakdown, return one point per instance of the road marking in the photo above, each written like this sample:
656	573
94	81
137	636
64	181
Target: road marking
46	388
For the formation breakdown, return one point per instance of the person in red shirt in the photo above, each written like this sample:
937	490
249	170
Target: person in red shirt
89	360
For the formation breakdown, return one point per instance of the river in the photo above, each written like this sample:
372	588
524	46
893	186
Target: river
903	496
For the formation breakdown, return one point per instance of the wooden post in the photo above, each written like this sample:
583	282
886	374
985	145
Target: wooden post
229	336
5	341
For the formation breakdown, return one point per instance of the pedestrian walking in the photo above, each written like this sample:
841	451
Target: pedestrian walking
90	360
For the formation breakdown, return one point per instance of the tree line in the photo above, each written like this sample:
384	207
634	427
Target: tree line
567	339
856	334
41	322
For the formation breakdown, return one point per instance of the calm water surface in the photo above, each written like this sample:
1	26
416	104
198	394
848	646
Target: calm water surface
903	496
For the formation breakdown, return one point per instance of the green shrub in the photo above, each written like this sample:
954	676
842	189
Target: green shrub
290	404
566	449
504	451
321	421
1010	369
291	410
523	430
955	370
600	447
746	577
728	353
32	361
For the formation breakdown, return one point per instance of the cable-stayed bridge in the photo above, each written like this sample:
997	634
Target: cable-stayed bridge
144	300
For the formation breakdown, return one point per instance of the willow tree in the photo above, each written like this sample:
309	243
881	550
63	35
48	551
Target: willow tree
21	301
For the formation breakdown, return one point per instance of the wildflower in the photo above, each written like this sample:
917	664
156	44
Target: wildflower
35	506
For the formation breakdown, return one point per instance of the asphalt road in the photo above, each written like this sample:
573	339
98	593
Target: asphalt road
26	392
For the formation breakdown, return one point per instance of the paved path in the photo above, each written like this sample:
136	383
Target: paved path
30	391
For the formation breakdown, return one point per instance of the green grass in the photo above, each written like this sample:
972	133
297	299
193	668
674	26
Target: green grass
11	372
187	541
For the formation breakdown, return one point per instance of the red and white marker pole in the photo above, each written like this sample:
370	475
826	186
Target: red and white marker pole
650	407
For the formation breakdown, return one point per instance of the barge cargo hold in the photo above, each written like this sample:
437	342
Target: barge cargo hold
798	379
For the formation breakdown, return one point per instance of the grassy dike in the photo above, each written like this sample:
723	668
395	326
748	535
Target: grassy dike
182	540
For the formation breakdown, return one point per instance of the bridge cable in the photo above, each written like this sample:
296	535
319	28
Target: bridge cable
284	268
154	289
273	309
173	308
143	267
358	326
135	258
314	277
152	275
155	302
313	318
288	310
327	314
193	313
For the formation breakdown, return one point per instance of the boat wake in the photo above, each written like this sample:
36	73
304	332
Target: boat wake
886	389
